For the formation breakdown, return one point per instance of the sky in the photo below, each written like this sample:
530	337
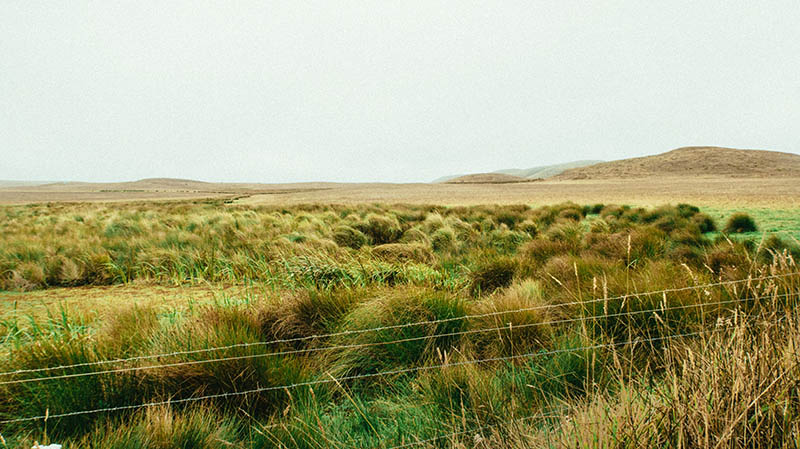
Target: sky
407	91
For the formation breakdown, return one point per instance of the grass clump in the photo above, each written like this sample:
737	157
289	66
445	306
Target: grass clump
349	237
398	309
443	240
740	222
518	314
704	223
404	252
380	229
492	274
307	313
164	428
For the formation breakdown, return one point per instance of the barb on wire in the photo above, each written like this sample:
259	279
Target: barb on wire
390	327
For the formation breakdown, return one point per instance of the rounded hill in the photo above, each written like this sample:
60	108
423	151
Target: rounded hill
695	161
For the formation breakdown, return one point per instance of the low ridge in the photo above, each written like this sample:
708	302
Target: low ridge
546	171
540	172
486	178
695	161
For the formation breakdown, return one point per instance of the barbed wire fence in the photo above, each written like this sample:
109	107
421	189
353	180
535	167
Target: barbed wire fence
663	308
403	325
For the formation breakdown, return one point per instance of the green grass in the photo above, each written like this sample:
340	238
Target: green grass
783	222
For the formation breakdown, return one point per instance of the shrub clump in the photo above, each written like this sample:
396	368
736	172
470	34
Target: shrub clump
740	222
704	223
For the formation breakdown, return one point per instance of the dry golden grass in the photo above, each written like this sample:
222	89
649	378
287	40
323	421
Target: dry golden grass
719	191
157	189
710	191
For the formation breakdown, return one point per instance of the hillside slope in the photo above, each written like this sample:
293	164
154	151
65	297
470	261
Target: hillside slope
486	178
160	185
546	171
540	172
9	183
695	161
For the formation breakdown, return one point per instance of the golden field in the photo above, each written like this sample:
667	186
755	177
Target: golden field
781	192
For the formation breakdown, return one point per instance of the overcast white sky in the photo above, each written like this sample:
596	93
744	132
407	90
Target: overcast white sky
388	91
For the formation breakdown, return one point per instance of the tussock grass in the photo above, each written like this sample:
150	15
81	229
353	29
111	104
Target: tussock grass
534	333
397	308
740	222
164	428
493	274
589	345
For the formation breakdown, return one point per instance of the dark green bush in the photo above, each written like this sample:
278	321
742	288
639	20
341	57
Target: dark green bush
596	208
704	223
687	210
740	222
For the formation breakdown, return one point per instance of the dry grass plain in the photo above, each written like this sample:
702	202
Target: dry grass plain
711	191
783	192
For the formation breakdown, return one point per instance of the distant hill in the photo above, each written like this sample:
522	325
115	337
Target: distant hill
8	183
486	178
150	184
695	161
156	185
546	171
541	172
164	184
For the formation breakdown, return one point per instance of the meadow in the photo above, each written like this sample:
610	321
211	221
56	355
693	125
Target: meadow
214	325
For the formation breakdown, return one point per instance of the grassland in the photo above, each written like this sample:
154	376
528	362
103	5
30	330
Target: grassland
530	330
706	191
725	192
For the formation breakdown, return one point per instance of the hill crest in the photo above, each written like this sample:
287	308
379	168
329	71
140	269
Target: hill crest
540	172
694	161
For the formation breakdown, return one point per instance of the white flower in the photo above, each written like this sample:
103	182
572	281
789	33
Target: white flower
50	446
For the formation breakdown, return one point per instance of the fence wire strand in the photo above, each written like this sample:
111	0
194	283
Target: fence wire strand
399	326
511	327
529	355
